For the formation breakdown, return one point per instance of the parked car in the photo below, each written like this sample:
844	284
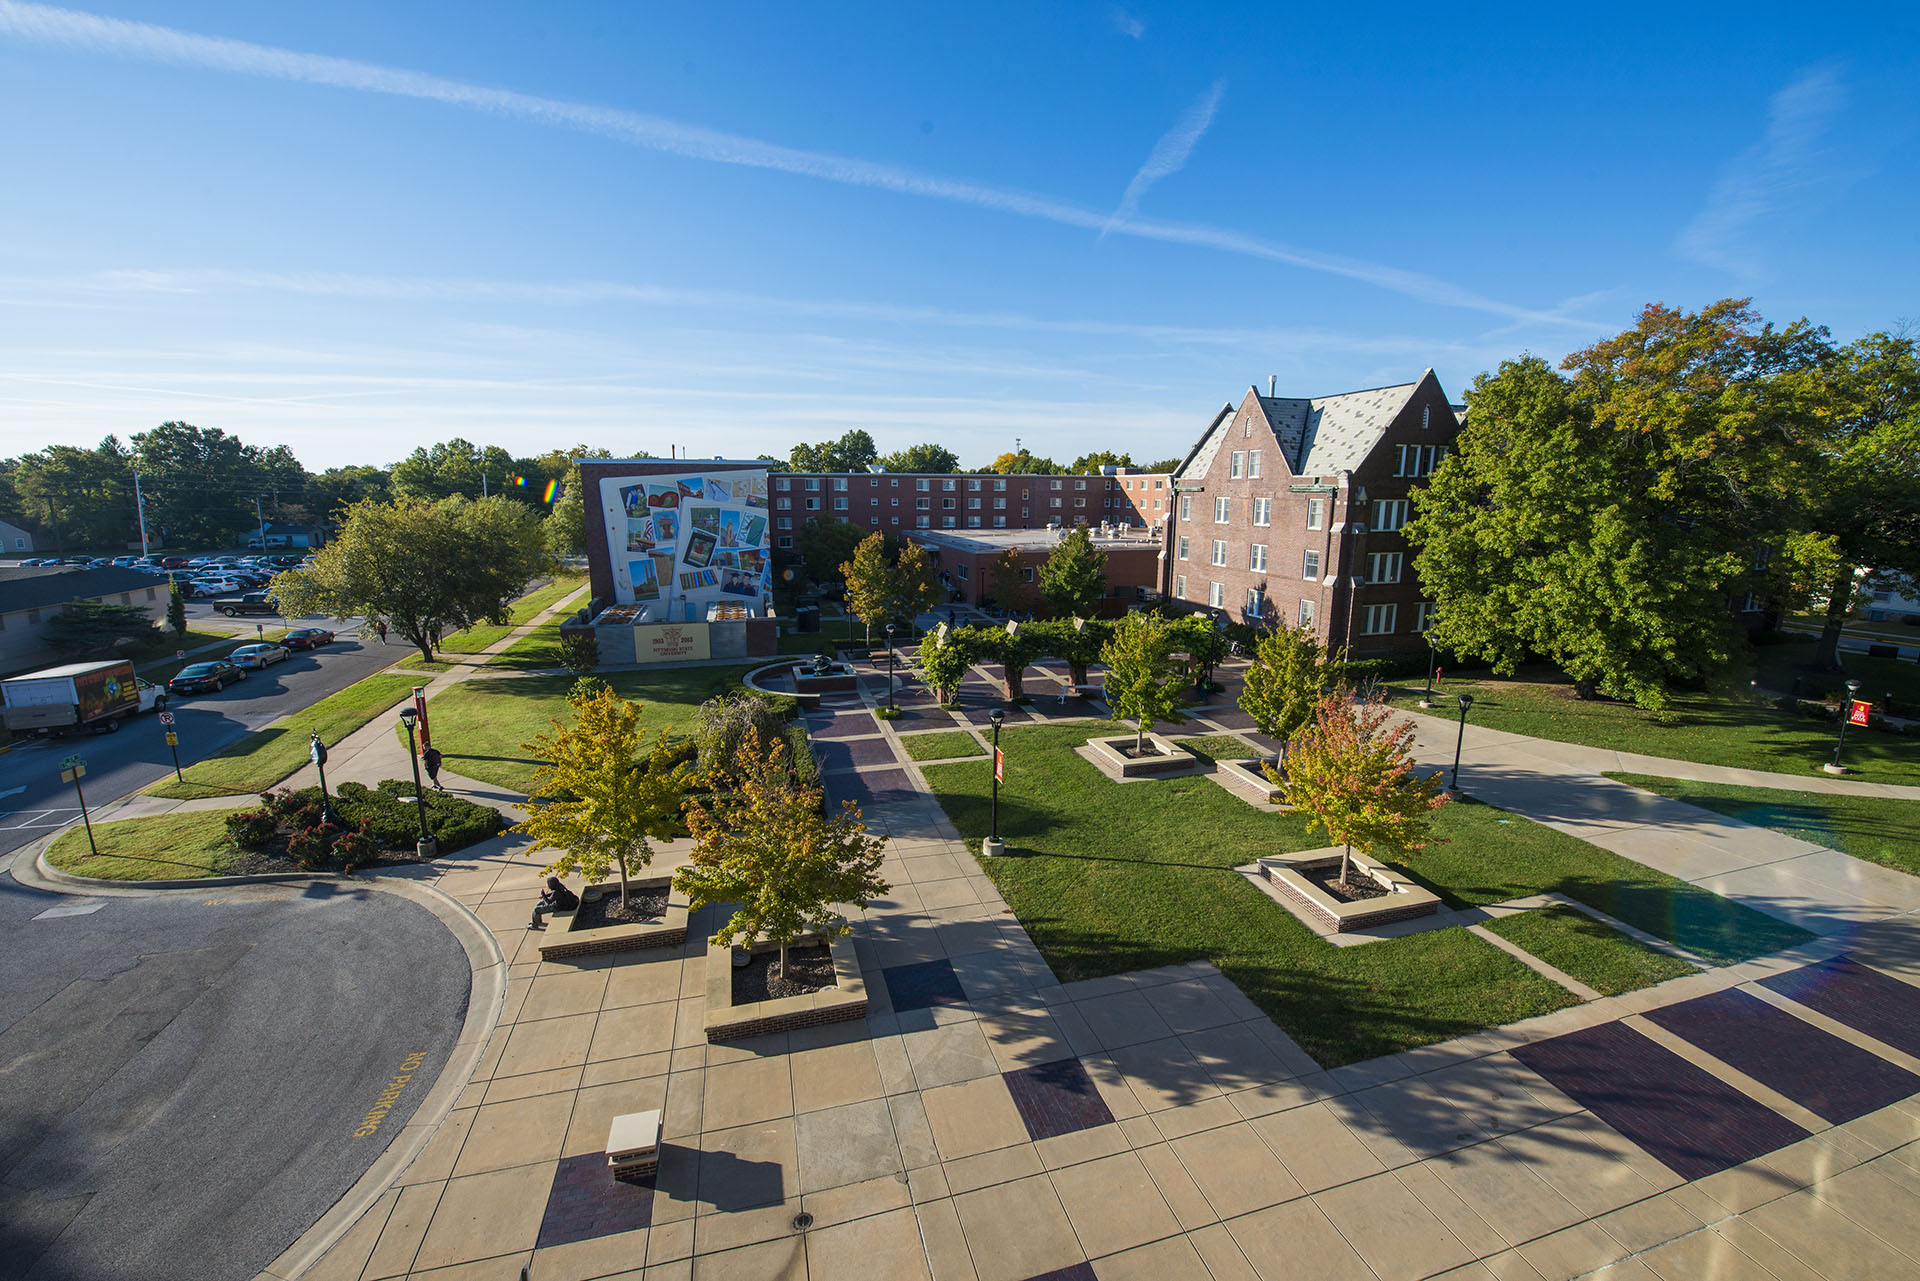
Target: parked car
307	638
251	603
174	562
197	678
217	583
125	561
258	657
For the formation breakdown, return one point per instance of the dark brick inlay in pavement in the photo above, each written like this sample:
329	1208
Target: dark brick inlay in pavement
1690	1121
1077	1272
923	985
586	1202
1830	1077
870	790
843	724
847	753
1057	1098
1866	1000
1231	718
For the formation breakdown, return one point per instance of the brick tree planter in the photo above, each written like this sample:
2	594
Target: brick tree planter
1244	779
1403	901
669	929
845	1000
1115	756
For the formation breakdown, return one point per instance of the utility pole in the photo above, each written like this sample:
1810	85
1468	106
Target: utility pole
261	517
140	510
483	480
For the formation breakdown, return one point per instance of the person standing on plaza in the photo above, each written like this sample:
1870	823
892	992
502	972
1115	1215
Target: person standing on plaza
431	759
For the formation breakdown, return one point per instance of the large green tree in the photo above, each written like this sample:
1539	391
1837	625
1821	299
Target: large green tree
202	485
78	498
869	579
1090	464
916	583
1139	673
1353	774
854	451
921	458
1073	578
427	568
1604	519
1024	463
1292	670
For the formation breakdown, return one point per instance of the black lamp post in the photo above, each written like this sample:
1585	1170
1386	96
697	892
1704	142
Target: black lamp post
1846	716
993	846
408	715
1466	701
889	667
1426	699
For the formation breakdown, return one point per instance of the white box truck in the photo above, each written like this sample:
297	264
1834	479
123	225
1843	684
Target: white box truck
60	700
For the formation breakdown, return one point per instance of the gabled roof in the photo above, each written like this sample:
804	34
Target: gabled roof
44	586
1317	436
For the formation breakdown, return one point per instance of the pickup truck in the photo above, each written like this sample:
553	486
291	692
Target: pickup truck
60	700
251	603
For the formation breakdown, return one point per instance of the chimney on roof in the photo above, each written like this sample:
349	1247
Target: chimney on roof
1271	380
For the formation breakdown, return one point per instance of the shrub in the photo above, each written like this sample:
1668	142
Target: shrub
886	713
806	770
728	724
311	846
392	824
580	652
355	848
251	829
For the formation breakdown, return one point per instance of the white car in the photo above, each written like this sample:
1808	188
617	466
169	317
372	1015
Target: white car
258	657
211	585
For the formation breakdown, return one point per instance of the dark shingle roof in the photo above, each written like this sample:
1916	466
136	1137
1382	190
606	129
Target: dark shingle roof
43	586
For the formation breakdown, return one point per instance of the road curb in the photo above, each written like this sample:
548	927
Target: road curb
486	997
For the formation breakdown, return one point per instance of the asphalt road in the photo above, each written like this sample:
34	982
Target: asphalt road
181	1077
34	801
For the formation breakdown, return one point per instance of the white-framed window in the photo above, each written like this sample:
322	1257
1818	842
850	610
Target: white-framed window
1423	615
893	482
1186	506
1216	595
1418	460
1389	515
1263	511
1079	502
1378	620
1256	604
999	522
783	522
840	484
1057	484
973	486
1181	549
782	482
948	486
873	502
924	504
839	503
1257	558
923	522
896	502
946	504
1222	510
1306	612
813	504
1316	512
1055	502
783	504
1253	465
1000	486
948	522
1383	567
1426	417
1180	586
786	542
1219	551
923	484
1310	565
1026	573
1237	465
999	504
963	571
812	484
1079	484
973	522
973	504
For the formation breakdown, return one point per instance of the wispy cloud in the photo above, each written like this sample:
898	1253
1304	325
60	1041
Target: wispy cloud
1169	155
1128	25
73	29
1767	176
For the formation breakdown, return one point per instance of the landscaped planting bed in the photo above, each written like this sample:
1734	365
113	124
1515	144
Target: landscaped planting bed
1110	877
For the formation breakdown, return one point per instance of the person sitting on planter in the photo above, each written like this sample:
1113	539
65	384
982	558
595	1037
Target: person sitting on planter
558	898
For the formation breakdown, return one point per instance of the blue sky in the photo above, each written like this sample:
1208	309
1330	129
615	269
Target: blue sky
359	227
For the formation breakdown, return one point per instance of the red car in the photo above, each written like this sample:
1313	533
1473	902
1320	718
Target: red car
307	638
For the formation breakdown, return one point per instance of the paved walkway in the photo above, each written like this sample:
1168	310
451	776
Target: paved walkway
988	1123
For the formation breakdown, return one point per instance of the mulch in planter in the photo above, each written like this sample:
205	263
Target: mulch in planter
809	969
642	906
1360	888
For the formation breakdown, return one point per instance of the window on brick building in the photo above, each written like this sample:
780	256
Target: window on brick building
782	482
999	522
1423	615
948	486
973	504
1182	549
948	522
924	504
1057	484
1256	605
1383	567
1418	460
946	504
840	484
1379	620
839	503
1257	558
1237	465
1253	465
813	504
1316	512
786	541
783	503
1180	586
973	522
973	486
784	522
1056	502
1310	565
1389	515
1186	506
1306	613
999	486
812	484
1219	551
1216	595
1222	510
923	522
1263	511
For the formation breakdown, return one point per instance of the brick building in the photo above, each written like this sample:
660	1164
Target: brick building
965	561
1289	509
901	502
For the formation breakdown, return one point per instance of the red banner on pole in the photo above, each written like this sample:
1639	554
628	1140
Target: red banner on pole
999	763
1857	715
420	706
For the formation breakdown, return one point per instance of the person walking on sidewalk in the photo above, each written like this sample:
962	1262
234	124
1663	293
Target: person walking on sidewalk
380	625
431	759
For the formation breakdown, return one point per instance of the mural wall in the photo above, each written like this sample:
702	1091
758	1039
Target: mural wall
683	543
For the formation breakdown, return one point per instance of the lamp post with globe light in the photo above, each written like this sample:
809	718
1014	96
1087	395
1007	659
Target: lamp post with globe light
427	847
993	846
1466	701
1846	718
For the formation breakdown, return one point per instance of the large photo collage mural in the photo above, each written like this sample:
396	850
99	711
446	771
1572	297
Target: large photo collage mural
681	543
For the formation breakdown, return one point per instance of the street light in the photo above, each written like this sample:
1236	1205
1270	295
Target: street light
993	846
1466	701
1846	715
1426	699
426	849
889	667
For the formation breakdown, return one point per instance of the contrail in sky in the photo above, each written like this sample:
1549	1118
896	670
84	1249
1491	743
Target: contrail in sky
1169	155
45	24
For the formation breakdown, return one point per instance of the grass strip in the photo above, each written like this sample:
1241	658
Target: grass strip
944	745
162	847
1595	953
264	757
1874	828
523	611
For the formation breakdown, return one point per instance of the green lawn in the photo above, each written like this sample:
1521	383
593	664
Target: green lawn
1114	877
537	650
164	847
480	724
268	755
942	745
1597	954
1870	827
475	639
1777	666
1718	729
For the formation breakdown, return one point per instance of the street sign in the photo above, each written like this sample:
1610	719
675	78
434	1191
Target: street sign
999	766
76	761
173	739
179	653
1858	714
166	718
